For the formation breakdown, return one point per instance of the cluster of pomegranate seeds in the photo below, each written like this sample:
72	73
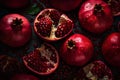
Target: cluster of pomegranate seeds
63	28
44	26
55	16
100	70
96	70
42	60
56	27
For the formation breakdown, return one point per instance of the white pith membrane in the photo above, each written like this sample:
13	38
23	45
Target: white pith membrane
47	54
89	75
54	27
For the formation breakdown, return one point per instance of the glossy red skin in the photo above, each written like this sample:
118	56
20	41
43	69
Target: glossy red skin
111	49
92	22
14	3
79	55
65	5
24	77
10	37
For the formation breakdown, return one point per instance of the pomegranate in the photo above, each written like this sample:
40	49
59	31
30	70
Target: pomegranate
111	49
14	4
43	60
96	70
65	5
76	50
24	77
15	30
95	16
115	6
51	25
9	65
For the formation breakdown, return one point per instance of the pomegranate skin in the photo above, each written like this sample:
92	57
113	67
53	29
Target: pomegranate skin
111	49
14	4
65	5
95	19
24	77
13	36
79	53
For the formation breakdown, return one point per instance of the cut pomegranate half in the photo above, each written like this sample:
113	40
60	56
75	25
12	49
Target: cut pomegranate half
43	60
51	25
96	70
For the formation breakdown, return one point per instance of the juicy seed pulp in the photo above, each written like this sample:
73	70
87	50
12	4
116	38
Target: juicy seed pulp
63	28
44	26
42	59
100	70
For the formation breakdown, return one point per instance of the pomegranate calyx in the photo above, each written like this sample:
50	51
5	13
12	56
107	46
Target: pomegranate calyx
98	9
71	44
17	24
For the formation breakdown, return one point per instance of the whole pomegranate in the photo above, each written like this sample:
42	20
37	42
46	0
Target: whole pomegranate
15	30
76	50
43	60
65	5
96	70
95	16
51	25
24	77
14	4
111	49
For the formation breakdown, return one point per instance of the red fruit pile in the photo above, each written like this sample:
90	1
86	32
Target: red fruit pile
51	25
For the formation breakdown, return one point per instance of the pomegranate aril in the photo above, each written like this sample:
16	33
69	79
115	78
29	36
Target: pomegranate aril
44	26
63	28
55	16
100	70
53	58
41	16
43	59
50	65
